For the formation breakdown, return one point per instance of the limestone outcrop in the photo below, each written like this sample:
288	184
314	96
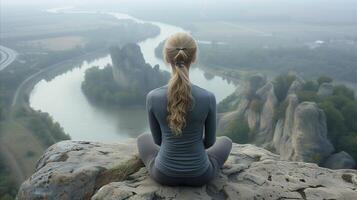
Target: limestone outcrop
75	170
130	71
295	130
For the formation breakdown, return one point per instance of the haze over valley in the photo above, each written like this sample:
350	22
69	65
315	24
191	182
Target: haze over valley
284	74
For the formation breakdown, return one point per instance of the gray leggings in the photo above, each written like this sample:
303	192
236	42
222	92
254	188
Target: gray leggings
217	154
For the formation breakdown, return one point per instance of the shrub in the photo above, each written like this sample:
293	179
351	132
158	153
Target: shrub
334	120
324	79
342	90
282	84
100	87
349	112
349	144
310	86
238	130
306	95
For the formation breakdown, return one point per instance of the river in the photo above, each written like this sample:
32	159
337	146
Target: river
63	99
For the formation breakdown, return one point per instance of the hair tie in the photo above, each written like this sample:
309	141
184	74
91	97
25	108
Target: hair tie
180	48
180	64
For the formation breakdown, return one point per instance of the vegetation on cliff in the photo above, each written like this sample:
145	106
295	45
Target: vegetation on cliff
126	82
341	113
339	106
99	86
337	102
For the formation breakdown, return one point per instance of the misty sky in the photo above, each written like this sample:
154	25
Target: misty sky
303	10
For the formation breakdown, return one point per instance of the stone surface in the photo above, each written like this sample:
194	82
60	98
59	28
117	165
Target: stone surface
131	71
69	170
340	160
309	138
266	121
283	129
297	131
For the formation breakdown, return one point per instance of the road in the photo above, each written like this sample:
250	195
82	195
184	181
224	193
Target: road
7	57
30	81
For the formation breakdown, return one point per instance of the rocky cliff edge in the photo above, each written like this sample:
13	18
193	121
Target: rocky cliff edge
71	170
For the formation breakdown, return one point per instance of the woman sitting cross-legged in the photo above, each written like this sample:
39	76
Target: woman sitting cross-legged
182	149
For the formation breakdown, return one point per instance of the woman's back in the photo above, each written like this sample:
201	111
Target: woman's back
179	113
183	155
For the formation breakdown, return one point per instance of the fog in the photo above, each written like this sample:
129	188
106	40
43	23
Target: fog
81	70
317	11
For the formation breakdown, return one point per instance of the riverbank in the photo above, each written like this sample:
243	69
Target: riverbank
23	92
25	144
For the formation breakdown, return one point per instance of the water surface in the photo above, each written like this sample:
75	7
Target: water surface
63	99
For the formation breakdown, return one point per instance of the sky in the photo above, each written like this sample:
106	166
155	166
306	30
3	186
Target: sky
322	10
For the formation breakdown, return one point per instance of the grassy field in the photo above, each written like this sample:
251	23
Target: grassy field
57	43
22	147
37	23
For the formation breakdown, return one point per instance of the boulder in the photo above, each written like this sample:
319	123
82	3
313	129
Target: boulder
309	135
73	169
340	160
90	170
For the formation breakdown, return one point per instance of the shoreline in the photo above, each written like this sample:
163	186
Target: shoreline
23	92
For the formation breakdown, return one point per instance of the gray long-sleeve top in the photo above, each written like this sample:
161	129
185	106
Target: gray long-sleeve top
183	155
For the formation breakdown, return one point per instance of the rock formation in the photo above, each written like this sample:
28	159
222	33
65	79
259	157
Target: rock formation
131	70
72	170
297	133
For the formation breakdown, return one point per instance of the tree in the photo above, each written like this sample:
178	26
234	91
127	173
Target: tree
342	90
281	85
349	112
238	130
335	122
324	79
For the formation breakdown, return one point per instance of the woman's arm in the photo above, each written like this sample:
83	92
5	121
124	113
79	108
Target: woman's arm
153	123
210	124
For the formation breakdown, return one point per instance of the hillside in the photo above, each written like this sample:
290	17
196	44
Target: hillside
308	121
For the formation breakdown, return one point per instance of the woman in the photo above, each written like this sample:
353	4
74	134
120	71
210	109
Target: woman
179	113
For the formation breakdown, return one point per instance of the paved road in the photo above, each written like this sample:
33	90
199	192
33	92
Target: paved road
27	82
7	57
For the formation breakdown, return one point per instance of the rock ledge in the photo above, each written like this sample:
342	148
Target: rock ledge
72	170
